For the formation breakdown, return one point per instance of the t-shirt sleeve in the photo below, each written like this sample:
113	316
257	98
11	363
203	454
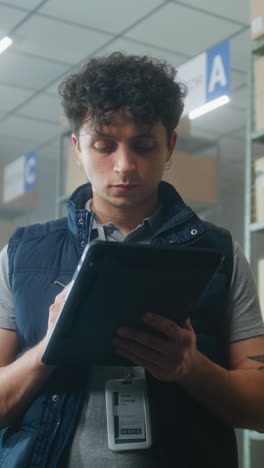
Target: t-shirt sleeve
243	311
7	317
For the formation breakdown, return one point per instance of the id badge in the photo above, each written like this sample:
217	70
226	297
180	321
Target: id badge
127	415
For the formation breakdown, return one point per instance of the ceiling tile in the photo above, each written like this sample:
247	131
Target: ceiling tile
134	48
238	10
239	49
203	133
101	14
222	120
53	89
240	98
232	150
238	79
43	107
37	132
52	39
168	27
25	71
11	148
27	4
11	97
241	133
199	142
9	17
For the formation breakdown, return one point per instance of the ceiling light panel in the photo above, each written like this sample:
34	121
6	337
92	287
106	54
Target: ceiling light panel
112	16
183	29
5	42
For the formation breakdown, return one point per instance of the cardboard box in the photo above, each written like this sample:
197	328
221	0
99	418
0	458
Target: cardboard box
261	284
259	188
257	19
74	175
259	93
6	229
259	75
259	112
184	126
194	176
27	201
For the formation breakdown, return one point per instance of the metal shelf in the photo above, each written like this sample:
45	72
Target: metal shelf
258	47
9	213
258	136
255	227
193	144
63	198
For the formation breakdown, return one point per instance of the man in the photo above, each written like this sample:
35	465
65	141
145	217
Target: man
204	378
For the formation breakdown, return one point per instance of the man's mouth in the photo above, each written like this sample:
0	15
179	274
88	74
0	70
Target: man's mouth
125	187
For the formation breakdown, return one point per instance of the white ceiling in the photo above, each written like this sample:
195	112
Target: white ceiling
54	37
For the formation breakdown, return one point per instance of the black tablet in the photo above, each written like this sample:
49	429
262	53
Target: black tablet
115	284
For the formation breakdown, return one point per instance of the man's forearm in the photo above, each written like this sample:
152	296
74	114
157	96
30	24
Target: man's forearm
19	383
235	396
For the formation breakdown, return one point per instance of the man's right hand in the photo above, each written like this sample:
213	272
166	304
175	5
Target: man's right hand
56	306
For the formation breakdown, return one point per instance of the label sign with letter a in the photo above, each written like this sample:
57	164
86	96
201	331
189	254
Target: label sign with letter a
207	76
218	71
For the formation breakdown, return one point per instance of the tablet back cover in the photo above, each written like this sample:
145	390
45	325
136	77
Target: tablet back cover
114	285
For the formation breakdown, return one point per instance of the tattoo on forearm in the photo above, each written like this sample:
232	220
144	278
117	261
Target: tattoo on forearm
259	358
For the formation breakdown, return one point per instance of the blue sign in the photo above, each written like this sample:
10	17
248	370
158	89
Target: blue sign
30	171
218	71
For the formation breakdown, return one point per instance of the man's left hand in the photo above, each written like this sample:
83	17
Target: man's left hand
168	359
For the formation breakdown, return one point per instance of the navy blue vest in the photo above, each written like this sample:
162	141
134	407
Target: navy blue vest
185	433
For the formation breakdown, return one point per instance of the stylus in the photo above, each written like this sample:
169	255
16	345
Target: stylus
60	283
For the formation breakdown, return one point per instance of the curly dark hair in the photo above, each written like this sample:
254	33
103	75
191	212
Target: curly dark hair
144	84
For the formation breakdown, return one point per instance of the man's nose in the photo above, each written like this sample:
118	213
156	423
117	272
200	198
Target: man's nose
125	161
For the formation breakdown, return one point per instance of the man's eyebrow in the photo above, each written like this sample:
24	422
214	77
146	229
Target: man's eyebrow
146	134
99	134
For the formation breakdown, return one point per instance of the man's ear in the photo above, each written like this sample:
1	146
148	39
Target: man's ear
75	142
172	144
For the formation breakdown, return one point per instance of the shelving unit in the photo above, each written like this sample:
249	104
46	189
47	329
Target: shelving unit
252	228
61	197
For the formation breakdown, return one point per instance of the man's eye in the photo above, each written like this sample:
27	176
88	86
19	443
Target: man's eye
104	146
144	148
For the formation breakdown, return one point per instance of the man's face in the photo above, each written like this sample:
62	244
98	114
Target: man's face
124	161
